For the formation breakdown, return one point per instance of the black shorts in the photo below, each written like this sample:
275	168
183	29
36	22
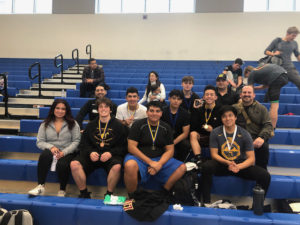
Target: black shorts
275	87
89	166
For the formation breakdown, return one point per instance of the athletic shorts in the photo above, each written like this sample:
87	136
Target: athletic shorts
163	174
275	87
89	166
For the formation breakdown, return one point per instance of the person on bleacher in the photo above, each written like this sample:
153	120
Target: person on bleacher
273	77
92	76
254	117
131	110
179	120
153	79
283	48
90	107
189	96
102	145
151	148
226	96
203	121
234	74
232	154
58	138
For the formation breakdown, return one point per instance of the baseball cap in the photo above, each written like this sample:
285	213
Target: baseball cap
221	77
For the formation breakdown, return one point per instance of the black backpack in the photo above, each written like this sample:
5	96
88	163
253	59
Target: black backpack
186	190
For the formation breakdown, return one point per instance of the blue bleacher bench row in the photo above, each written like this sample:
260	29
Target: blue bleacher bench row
278	157
280	187
74	211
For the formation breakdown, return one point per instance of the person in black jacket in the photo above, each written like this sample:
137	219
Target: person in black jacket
103	145
203	121
91	108
92	75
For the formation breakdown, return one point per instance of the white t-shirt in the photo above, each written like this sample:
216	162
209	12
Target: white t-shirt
124	113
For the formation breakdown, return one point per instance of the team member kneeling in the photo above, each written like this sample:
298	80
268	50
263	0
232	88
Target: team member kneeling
150	143
232	154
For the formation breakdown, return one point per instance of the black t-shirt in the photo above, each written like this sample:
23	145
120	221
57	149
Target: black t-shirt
140	133
181	119
198	119
187	103
230	98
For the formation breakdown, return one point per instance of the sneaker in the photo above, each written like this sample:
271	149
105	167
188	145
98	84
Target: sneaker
38	190
85	195
61	193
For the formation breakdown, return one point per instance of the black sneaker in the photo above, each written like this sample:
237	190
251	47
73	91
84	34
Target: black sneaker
85	195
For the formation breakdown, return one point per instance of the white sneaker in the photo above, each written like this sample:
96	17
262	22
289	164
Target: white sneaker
38	190
61	193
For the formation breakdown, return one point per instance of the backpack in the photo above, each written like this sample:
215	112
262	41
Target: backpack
186	190
15	217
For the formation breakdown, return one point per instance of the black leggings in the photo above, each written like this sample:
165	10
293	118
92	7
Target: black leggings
212	167
62	168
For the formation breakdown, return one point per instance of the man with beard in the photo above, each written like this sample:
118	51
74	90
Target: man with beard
90	107
254	117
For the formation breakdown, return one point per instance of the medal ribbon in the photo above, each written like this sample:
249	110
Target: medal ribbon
233	138
156	131
102	134
205	114
129	111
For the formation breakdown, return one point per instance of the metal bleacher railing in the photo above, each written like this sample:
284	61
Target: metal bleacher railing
4	93
61	66
37	75
76	58
88	50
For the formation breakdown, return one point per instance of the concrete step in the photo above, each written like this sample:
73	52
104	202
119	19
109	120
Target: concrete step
33	93
55	86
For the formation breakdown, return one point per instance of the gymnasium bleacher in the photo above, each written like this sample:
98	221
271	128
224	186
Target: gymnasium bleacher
26	112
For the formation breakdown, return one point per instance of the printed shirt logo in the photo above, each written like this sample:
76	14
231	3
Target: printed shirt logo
128	205
232	154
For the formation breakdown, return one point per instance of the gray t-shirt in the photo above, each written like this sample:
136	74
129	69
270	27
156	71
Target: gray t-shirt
265	75
241	144
286	48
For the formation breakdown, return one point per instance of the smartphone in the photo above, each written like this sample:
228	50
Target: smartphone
199	102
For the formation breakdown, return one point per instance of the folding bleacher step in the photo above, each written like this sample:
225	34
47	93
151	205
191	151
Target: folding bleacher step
55	86
9	126
72	76
35	93
57	80
21	112
30	101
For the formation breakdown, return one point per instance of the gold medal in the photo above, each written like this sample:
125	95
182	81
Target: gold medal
102	144
205	126
102	135
153	136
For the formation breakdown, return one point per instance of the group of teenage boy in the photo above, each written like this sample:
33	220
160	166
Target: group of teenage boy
155	141
160	139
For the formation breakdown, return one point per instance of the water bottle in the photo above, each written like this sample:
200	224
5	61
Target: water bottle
258	200
53	164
